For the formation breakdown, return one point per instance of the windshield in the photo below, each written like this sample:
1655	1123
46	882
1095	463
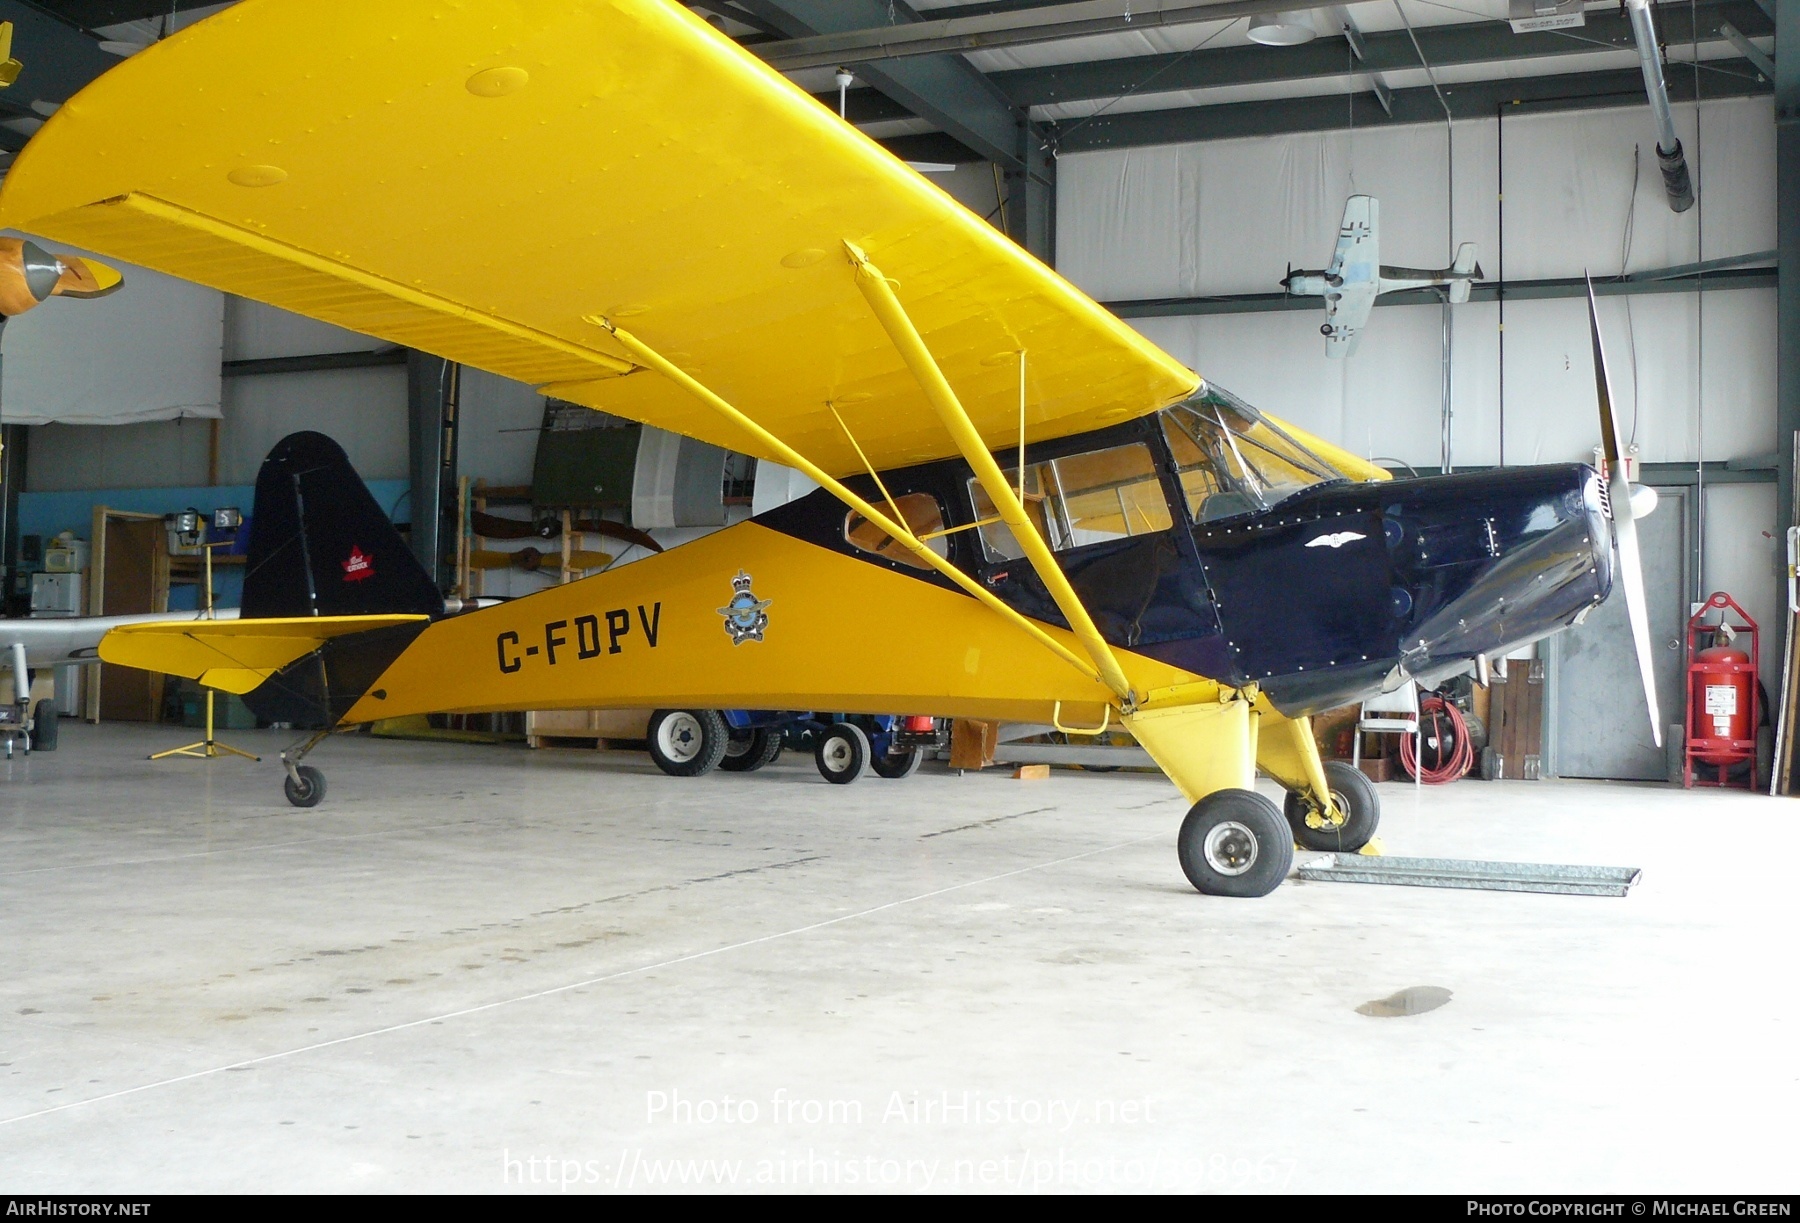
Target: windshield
1233	460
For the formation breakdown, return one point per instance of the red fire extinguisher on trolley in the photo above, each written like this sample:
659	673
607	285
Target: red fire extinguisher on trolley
1722	706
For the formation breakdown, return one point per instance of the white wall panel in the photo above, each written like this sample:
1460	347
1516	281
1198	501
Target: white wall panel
147	352
363	410
499	419
1228	216
1740	559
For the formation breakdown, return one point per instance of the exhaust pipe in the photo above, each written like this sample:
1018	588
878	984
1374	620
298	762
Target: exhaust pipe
1668	146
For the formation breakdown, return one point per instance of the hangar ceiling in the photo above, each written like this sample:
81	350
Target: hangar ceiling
1158	73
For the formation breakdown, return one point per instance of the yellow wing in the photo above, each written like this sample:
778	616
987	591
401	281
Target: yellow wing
477	179
231	655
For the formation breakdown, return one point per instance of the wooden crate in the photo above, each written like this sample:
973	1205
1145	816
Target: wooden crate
595	727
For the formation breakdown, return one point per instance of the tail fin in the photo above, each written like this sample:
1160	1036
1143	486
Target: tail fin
1464	264
320	545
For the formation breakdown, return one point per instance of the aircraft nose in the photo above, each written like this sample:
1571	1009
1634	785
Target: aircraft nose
1499	561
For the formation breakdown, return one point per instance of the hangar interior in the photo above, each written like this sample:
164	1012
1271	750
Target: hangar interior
506	946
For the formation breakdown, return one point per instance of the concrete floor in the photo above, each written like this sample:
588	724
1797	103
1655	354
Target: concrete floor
489	969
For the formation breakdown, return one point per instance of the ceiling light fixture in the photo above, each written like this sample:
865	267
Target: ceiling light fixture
1286	29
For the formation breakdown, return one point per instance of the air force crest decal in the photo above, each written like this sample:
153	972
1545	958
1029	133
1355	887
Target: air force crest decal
746	616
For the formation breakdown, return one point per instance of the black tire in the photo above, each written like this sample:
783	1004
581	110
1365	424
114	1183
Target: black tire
1490	764
1235	843
1351	793
748	750
842	753
897	764
687	742
43	727
310	792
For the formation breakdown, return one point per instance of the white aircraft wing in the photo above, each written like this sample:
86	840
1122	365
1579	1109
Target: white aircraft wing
1356	271
53	641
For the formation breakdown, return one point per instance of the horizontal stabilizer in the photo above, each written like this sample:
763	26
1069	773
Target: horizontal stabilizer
232	655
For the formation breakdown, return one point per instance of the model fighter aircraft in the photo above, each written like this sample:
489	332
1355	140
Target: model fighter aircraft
1357	277
1030	511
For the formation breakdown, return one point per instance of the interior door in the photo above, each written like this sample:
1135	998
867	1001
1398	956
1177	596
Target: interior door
1599	726
132	584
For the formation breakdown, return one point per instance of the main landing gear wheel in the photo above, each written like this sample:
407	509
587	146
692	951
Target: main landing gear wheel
1235	843
748	750
842	754
687	742
308	790
897	764
1356	814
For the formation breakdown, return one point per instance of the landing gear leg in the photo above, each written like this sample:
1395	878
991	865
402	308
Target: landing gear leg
305	785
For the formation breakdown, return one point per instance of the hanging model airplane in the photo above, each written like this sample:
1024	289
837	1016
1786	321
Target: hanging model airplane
1357	277
1027	511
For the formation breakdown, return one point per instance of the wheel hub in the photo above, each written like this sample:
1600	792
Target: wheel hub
1230	848
837	754
679	737
1337	817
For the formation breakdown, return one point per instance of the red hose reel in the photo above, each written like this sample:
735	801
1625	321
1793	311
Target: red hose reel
1442	729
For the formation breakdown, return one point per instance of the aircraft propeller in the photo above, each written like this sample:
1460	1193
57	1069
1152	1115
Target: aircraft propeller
1625	508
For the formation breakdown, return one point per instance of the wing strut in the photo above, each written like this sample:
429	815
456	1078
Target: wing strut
895	321
793	458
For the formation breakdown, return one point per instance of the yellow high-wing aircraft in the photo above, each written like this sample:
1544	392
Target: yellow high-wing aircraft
1027	510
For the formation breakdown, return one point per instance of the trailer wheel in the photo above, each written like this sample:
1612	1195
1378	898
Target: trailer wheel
687	742
842	753
898	764
747	751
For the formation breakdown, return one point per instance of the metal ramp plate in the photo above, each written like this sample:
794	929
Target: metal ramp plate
1484	876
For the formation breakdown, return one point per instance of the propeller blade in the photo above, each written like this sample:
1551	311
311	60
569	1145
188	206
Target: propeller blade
1618	494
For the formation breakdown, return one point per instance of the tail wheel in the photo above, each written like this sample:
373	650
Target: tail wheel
842	754
1355	814
748	750
1235	843
687	742
306	788
898	762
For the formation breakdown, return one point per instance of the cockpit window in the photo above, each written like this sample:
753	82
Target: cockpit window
1232	460
919	512
1080	499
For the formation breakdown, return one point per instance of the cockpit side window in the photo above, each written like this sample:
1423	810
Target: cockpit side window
1080	499
1232	460
919	513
